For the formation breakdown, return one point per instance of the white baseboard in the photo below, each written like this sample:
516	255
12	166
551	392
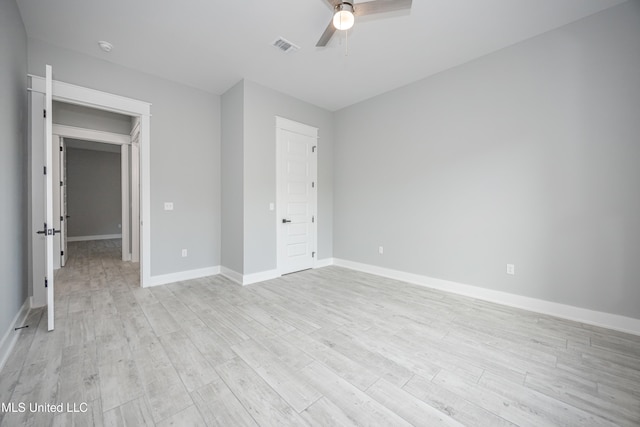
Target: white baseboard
100	237
163	279
10	337
583	315
248	279
33	303
326	262
231	275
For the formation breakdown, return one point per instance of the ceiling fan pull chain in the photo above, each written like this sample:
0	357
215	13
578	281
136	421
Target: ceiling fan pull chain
346	43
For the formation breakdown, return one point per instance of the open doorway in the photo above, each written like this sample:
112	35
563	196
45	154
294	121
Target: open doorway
96	194
93	193
96	162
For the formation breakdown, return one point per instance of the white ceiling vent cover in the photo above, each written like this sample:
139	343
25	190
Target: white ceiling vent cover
285	45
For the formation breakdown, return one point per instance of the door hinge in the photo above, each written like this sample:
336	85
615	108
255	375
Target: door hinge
46	282
313	149
61	253
44	168
61	218
61	149
44	113
313	184
313	254
61	184
313	218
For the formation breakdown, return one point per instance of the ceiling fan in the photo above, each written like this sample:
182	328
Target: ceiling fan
345	11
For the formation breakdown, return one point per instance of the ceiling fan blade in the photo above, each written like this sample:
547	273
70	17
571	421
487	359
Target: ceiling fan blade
380	6
326	36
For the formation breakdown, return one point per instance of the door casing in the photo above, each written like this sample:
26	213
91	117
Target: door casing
65	92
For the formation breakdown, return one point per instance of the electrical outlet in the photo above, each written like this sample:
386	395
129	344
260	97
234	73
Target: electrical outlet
184	253
168	206
380	250
511	269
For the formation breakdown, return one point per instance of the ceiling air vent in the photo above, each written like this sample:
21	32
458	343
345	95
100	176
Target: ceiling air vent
285	45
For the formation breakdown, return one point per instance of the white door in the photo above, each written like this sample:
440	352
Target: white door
297	195
38	212
63	203
49	230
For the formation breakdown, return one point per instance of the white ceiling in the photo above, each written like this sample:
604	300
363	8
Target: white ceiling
212	44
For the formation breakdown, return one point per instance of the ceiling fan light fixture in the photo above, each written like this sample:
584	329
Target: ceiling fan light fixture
343	19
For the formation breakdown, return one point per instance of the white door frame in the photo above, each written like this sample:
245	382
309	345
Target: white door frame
72	94
312	132
124	197
123	141
62	153
135	191
56	172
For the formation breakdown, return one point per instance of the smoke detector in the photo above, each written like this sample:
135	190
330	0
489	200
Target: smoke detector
105	46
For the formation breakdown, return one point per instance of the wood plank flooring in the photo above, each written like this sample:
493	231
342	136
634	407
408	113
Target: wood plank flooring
322	347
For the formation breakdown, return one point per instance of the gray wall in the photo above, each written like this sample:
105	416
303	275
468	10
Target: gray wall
185	153
249	238
261	106
94	200
90	118
232	168
527	156
13	187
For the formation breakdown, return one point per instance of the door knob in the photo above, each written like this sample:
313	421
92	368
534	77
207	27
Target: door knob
48	231
285	221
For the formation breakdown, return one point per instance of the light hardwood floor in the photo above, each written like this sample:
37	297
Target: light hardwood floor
322	347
